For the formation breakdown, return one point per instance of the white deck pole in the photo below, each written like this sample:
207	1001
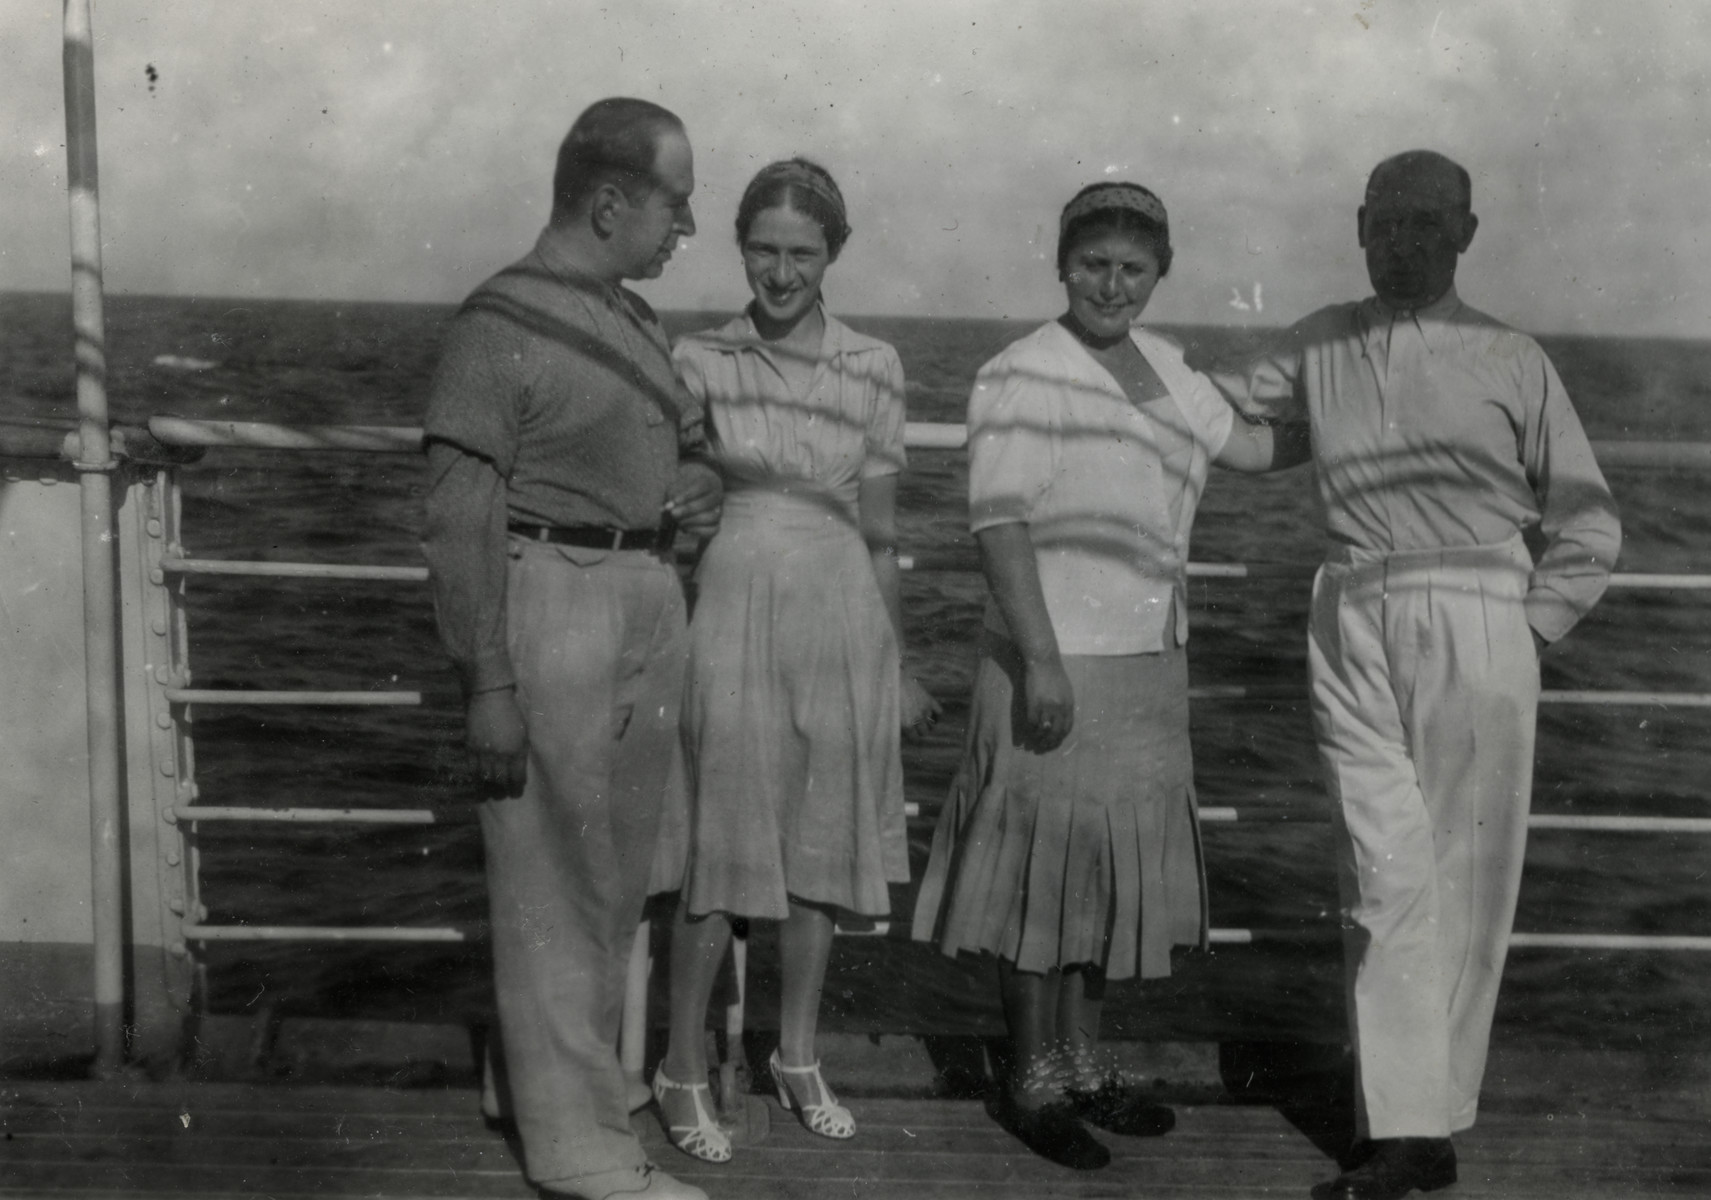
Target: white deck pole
633	1033
730	1098
95	465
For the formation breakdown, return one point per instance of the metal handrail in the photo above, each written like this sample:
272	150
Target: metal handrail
461	815
306	697
1616	699
1260	693
1208	814
261	435
918	435
178	565
1632	580
1619	824
931	560
1298	934
449	815
1660	699
198	932
1607	941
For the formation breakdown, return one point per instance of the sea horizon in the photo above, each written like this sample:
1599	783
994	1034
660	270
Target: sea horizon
840	313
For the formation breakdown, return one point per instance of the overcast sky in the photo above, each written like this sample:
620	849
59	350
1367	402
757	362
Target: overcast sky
401	149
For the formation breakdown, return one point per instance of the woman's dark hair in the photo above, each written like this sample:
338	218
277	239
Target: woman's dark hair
804	186
1102	219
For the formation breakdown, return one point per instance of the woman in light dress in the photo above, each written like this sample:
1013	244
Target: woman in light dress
1069	848
796	695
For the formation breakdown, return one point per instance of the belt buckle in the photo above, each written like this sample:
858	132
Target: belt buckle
617	539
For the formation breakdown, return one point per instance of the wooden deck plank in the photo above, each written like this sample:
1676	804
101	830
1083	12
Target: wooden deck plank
91	1141
260	1151
888	1127
350	1106
284	1097
1121	1180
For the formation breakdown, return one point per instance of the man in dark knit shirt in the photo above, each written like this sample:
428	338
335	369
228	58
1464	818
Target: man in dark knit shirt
563	454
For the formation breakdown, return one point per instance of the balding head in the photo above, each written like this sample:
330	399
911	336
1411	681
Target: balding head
614	141
621	190
1422	172
1415	223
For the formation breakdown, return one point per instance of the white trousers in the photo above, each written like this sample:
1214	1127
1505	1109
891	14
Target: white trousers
1425	692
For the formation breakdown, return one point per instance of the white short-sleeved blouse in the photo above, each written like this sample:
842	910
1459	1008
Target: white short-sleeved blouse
1107	488
848	428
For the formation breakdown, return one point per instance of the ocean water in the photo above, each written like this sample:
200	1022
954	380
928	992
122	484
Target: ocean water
312	362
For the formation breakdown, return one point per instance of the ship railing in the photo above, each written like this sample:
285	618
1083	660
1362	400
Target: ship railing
172	700
187	433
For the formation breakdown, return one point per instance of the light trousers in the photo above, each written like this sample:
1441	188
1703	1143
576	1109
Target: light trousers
1425	688
598	644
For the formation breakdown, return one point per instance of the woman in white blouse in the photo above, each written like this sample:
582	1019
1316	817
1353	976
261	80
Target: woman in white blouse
796	696
1069	846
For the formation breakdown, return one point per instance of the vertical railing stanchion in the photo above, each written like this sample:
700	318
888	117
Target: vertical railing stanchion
730	1093
633	1033
95	466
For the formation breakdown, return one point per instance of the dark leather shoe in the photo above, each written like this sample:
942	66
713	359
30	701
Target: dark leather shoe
1393	1168
1053	1132
1121	1109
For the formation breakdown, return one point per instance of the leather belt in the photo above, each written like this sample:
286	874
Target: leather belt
597	537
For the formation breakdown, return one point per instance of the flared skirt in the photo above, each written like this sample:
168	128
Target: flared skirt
791	722
1087	854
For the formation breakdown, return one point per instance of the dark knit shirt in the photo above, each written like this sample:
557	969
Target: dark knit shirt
554	403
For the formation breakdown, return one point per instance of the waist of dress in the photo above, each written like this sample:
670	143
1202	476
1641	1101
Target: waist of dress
798	505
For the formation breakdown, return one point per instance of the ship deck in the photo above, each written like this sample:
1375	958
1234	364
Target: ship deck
1555	1124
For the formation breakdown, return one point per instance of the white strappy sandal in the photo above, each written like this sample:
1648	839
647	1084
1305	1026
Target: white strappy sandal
706	1139
828	1118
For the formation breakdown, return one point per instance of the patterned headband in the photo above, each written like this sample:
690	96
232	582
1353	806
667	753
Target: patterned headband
798	172
1113	195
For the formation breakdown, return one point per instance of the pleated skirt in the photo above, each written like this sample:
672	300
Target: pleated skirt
790	721
1088	854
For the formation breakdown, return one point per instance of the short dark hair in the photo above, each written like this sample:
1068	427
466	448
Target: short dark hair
613	141
1115	220
804	186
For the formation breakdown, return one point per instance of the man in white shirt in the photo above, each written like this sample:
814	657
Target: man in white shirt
1439	435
